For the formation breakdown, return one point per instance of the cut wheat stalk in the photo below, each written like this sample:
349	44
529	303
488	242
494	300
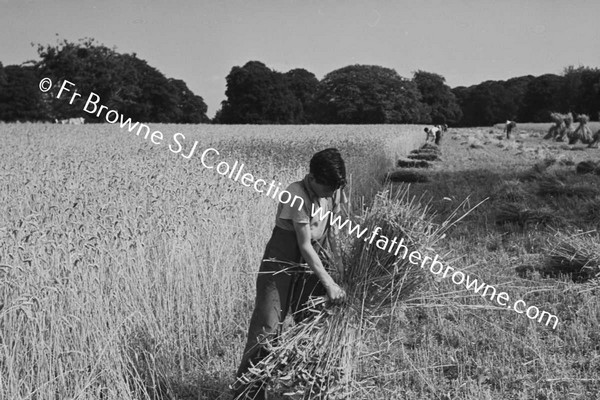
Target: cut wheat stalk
578	255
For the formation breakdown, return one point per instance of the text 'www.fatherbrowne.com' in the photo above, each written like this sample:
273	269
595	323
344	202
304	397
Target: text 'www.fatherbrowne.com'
436	267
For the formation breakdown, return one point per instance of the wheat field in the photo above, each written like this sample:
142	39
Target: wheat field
127	271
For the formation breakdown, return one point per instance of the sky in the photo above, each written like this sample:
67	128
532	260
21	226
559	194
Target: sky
199	41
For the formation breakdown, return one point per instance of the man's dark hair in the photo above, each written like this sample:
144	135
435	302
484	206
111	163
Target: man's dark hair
328	168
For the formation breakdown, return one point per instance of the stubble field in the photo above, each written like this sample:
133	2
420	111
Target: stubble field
127	271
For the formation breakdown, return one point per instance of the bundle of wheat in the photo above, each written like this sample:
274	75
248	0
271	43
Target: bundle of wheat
406	175
595	140
591	211
568	119
545	163
407	163
552	186
564	159
578	255
511	190
555	130
587	167
567	130
318	358
583	132
425	156
530	175
426	151
432	147
537	171
522	216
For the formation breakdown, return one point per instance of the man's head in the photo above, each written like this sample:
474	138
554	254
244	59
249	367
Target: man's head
328	172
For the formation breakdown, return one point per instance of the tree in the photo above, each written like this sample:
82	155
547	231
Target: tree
368	94
303	85
2	75
157	99
123	82
443	105
484	104
192	107
20	98
258	95
542	98
491	102
580	92
517	88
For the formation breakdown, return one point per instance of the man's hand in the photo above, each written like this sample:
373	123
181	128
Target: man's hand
336	294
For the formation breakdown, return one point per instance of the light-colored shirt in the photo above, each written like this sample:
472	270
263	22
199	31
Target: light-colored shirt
288	213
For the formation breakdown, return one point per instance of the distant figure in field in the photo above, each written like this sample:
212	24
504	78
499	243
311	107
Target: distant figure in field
438	134
510	125
432	133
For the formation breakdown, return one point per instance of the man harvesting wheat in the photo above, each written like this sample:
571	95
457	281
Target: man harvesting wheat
508	127
431	133
296	238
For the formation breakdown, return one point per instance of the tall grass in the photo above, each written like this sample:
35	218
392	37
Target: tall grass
126	271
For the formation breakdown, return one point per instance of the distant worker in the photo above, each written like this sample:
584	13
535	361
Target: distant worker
510	125
431	133
438	136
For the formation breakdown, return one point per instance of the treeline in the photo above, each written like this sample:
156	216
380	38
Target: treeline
256	94
356	94
123	81
362	94
531	99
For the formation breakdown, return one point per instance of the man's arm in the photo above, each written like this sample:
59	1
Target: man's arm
334	292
